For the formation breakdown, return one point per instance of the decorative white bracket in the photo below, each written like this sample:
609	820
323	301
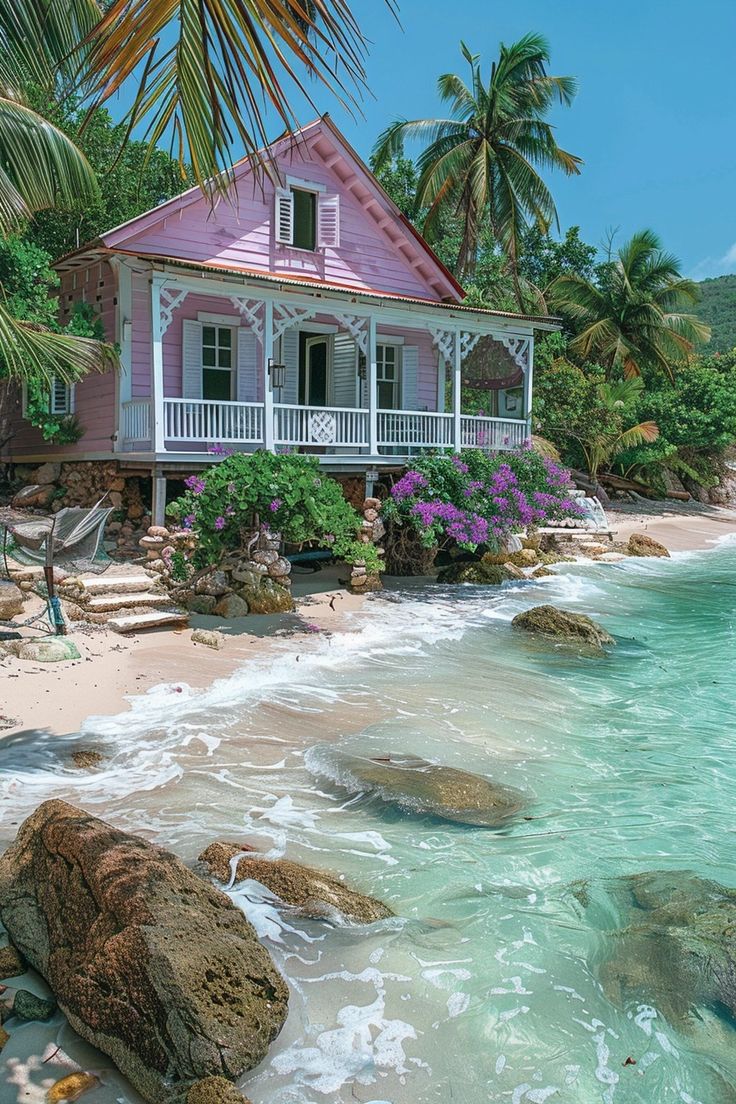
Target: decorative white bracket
445	342
169	299
518	347
284	317
357	327
468	341
251	311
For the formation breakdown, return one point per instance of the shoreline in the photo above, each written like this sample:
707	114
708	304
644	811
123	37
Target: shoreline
113	669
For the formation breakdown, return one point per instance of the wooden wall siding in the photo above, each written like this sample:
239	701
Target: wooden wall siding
94	395
240	232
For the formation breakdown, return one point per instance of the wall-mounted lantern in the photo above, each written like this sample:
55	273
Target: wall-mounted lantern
277	374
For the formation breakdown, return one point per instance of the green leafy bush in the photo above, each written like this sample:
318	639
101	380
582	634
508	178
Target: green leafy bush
287	493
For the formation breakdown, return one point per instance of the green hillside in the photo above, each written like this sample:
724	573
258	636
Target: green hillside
718	308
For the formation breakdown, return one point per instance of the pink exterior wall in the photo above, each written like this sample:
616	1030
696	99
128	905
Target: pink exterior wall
376	251
95	394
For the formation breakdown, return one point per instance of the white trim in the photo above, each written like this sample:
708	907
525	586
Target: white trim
219	319
318	327
305	185
390	339
318	338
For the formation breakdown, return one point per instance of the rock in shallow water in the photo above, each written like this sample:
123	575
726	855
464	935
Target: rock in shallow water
642	545
11	963
148	962
476	572
313	892
417	786
563	626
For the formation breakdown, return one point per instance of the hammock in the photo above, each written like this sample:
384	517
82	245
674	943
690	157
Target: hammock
70	539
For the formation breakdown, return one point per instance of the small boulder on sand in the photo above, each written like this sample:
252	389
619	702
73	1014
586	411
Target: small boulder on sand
563	627
11	600
209	638
642	545
313	892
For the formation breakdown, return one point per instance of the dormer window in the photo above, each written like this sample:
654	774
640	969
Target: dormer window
307	216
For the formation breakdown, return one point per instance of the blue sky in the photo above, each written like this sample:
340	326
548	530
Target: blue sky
654	120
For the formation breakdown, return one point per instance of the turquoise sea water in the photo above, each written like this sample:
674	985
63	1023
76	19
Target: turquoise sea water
489	986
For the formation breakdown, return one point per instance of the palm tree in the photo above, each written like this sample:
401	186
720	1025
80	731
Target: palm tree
634	314
205	77
483	161
609	434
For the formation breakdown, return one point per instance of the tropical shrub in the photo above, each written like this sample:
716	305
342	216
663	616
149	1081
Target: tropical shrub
475	499
287	493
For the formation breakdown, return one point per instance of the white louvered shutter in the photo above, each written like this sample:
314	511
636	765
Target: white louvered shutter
344	370
284	215
191	359
290	358
248	366
409	375
328	221
60	397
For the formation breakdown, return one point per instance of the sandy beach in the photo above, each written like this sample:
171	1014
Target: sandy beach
113	668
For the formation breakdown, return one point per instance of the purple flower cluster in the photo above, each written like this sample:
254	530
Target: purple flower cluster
459	465
408	485
219	523
188	521
463	526
274	505
195	484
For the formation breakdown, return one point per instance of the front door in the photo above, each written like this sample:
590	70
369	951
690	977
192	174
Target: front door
316	371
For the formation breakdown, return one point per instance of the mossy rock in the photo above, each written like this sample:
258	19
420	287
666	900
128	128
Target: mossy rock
214	1090
267	597
542	572
547	559
642	545
563	626
525	557
478	572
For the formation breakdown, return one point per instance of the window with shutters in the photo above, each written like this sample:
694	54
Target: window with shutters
389	377
217	363
307	216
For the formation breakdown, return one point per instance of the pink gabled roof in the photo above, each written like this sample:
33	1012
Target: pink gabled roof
120	236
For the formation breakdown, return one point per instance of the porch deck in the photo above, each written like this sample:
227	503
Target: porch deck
203	423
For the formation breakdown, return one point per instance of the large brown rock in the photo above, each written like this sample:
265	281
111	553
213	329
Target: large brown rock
149	962
642	545
313	892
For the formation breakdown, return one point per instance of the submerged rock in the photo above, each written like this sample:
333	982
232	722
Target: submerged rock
478	572
148	962
564	626
642	545
315	893
87	758
12	963
676	947
214	1090
417	786
28	1006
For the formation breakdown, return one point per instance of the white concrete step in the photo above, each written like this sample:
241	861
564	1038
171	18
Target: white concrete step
139	622
108	603
116	584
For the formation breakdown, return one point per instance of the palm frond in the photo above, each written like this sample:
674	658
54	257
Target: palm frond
39	167
30	352
212	71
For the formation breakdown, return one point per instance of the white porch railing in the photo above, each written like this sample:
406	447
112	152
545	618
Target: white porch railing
492	434
209	421
413	429
136	424
339	426
400	432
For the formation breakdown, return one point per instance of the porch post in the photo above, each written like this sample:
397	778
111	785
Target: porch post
268	411
372	364
456	392
528	382
157	361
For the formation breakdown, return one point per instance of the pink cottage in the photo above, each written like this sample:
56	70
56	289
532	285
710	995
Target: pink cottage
309	315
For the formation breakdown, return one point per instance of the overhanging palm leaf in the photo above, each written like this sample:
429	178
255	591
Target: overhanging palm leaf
482	162
41	42
39	166
210	71
29	352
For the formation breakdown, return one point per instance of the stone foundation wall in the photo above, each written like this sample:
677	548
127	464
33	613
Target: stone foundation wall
51	486
372	531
